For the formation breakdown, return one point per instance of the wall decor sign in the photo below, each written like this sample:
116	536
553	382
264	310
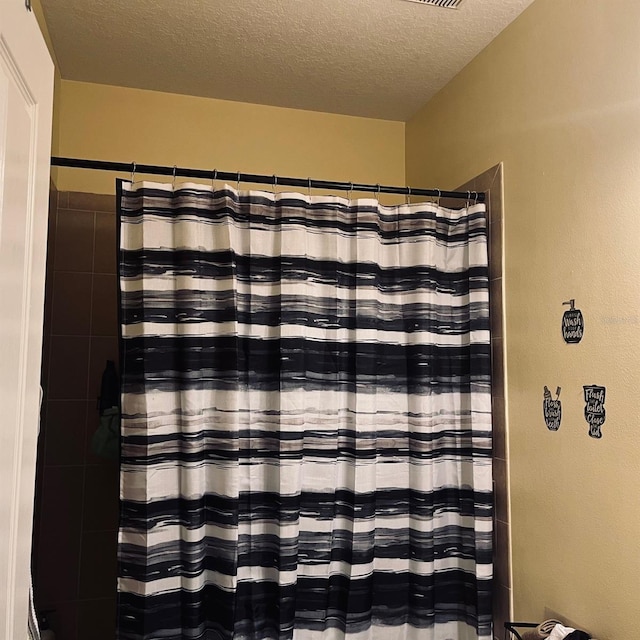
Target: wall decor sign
572	323
552	409
594	412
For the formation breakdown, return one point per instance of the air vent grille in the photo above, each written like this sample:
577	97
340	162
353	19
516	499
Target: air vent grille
445	4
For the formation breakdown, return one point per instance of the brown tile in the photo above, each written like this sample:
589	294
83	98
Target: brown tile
53	195
68	369
497	367
74	241
102	349
104	307
51	236
64	432
451	203
101	498
501	496
71	315
501	609
60	529
37	503
499	427
501	572
92	201
496	178
48	301
63	199
63	620
48	287
495	301
470	185
97	619
46	359
495	252
106	249
497	213
62	500
495	186
98	565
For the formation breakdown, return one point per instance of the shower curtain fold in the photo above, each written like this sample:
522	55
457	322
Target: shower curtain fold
306	418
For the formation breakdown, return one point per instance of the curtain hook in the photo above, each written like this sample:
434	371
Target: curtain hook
439	194
213	180
309	186
349	194
133	172
475	197
378	192
238	182
275	184
408	195
468	199
173	183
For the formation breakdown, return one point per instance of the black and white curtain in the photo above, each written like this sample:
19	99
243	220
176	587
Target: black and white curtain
306	447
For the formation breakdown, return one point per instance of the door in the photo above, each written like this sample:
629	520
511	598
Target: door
26	96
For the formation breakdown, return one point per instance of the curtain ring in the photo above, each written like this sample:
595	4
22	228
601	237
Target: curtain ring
408	195
133	172
173	184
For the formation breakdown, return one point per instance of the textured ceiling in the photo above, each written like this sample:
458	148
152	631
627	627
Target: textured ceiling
374	58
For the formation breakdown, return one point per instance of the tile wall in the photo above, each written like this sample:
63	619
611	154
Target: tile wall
76	510
490	182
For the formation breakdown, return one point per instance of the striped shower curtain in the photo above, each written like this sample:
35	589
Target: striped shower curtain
306	446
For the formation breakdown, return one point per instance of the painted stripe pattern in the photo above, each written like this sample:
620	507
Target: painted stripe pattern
306	418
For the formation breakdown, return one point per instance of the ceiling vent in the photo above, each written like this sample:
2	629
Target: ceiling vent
445	4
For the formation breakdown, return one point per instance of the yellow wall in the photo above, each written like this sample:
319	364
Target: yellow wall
557	98
39	15
125	125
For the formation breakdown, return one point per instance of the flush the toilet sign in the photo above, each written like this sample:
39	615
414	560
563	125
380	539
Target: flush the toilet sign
594	412
552	409
572	323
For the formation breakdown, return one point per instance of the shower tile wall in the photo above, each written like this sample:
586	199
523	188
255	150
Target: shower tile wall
76	519
490	182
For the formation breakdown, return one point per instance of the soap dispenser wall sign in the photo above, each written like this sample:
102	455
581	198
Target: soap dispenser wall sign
572	324
552	409
594	412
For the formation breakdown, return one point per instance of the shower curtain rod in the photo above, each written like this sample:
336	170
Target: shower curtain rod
308	183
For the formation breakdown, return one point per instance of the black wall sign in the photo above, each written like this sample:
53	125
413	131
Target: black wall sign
552	409
594	412
572	324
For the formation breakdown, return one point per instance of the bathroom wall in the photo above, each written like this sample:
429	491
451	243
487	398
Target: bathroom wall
76	518
126	125
556	97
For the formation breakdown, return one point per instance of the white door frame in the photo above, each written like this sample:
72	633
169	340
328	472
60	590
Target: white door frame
26	98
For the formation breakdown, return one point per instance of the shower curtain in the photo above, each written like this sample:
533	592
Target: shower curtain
306	446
